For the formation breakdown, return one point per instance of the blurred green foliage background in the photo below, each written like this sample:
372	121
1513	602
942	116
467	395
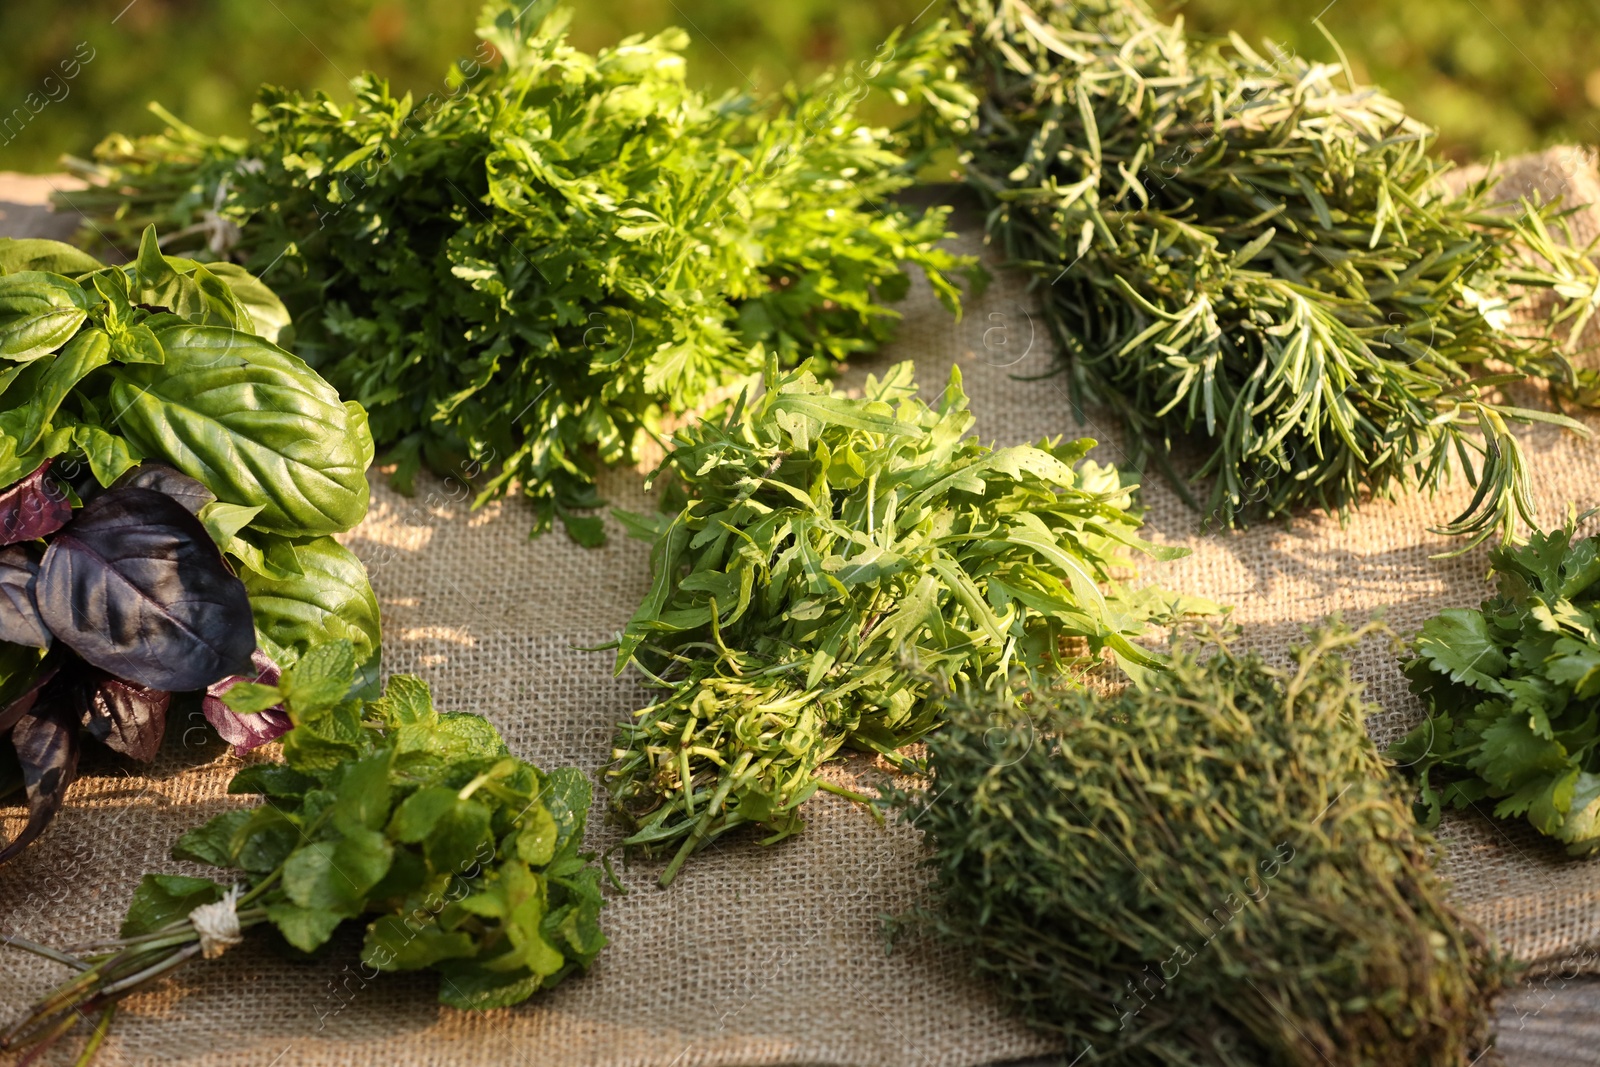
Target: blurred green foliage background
1498	76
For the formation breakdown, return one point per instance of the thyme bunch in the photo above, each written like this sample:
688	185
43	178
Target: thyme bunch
1218	871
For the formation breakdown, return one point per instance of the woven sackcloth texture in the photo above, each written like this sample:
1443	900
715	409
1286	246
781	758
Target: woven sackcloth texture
756	955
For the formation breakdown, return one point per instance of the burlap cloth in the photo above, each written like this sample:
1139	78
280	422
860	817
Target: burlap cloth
755	956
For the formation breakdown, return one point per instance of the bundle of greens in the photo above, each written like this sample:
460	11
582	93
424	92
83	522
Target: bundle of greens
1217	872
1257	257
460	857
534	266
1513	694
149	430
838	561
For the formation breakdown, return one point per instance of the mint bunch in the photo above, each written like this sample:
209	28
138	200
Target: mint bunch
459	857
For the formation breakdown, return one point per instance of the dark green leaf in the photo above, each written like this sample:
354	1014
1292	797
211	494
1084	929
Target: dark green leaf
163	899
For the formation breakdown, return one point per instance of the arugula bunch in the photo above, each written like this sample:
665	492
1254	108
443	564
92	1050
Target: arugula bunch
1214	871
149	431
838	561
1513	694
459	857
1257	254
527	271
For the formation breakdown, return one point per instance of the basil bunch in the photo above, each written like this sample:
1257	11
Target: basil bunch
149	431
525	272
462	859
838	562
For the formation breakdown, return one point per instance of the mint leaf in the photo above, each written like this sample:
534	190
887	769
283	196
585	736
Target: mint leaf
320	679
307	929
212	843
163	899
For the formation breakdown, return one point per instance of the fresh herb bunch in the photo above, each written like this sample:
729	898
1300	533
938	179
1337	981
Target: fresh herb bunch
531	269
460	858
838	561
1512	691
1217	871
1257	255
148	427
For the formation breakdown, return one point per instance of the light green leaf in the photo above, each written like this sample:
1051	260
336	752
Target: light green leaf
39	312
254	424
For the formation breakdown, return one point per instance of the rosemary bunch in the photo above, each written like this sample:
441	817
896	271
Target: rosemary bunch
839	561
1256	253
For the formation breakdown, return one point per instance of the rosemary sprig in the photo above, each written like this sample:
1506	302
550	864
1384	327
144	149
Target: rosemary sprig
1257	254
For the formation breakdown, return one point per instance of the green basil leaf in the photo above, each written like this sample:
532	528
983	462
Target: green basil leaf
330	601
18	254
39	312
251	422
267	317
109	456
137	344
86	352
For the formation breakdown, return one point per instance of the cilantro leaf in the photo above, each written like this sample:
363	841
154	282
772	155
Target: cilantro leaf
1512	691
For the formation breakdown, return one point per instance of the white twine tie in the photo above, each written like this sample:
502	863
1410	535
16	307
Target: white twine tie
218	925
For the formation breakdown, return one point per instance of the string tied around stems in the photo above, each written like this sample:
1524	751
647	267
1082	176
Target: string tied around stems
218	924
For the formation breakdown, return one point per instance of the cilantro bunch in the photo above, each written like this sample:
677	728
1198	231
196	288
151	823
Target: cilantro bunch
839	561
458	857
1252	254
1215	871
524	272
1512	691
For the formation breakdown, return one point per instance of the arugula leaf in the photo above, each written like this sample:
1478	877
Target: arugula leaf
839	563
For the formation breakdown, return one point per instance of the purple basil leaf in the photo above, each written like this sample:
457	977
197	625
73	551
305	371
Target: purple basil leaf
245	732
19	614
136	586
170	481
13	712
33	507
46	740
124	716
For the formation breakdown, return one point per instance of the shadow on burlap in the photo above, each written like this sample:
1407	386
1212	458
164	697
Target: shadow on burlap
755	956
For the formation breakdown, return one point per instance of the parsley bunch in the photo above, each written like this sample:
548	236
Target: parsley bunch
524	273
1256	254
1215	872
459	857
839	560
1513	694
